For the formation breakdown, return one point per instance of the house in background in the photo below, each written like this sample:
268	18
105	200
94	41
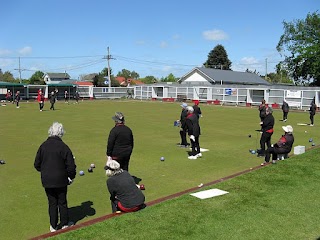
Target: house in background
201	76
56	78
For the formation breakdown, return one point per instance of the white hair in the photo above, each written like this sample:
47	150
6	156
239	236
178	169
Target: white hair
190	109
113	168
56	130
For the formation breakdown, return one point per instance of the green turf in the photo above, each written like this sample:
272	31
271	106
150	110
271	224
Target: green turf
275	202
225	132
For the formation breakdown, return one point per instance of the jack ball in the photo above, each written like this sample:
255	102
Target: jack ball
81	173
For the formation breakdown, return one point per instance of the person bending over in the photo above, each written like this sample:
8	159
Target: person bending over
125	196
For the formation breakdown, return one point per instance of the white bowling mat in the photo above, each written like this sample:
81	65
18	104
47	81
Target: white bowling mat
209	193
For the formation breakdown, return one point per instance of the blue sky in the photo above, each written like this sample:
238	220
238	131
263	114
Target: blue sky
149	37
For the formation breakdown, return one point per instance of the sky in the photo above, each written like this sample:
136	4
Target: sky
152	38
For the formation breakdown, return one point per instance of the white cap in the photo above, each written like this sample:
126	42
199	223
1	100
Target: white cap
288	129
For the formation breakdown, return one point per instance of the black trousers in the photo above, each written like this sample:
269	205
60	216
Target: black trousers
52	106
41	105
195	146
183	136
57	200
311	118
285	116
265	140
274	151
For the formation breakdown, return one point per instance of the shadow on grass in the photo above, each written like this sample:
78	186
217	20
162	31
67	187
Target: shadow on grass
78	213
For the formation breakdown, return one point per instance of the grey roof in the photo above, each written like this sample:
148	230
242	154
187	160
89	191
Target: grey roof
227	76
59	75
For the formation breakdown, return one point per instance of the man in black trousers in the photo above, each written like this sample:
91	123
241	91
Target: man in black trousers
193	129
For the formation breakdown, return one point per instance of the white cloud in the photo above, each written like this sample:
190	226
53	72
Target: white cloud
25	51
215	35
250	63
163	44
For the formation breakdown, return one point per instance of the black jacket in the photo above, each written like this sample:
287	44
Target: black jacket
285	107
120	141
123	188
197	110
285	142
268	123
55	161
193	126
313	108
183	117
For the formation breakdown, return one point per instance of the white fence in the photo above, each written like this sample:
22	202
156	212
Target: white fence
297	97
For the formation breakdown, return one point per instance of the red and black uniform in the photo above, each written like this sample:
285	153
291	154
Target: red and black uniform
124	194
9	96
267	131
283	146
193	128
120	144
40	99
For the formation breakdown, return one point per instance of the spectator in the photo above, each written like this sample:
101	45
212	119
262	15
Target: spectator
285	110
183	130
125	196
283	146
17	99
55	161
120	142
312	111
193	128
267	131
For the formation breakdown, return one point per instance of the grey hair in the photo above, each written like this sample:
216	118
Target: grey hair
190	109
56	130
113	168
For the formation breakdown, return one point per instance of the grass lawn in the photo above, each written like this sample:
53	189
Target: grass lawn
225	133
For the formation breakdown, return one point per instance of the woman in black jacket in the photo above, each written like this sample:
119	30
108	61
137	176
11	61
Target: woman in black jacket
55	161
120	142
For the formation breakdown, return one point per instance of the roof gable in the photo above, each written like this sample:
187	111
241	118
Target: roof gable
225	76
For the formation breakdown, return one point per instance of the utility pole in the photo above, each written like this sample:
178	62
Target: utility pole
265	77
108	57
20	70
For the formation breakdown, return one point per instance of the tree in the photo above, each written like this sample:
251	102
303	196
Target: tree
1	75
8	77
169	78
149	80
99	79
37	78
128	74
300	45
218	58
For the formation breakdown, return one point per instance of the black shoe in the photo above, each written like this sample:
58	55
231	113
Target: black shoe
260	155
